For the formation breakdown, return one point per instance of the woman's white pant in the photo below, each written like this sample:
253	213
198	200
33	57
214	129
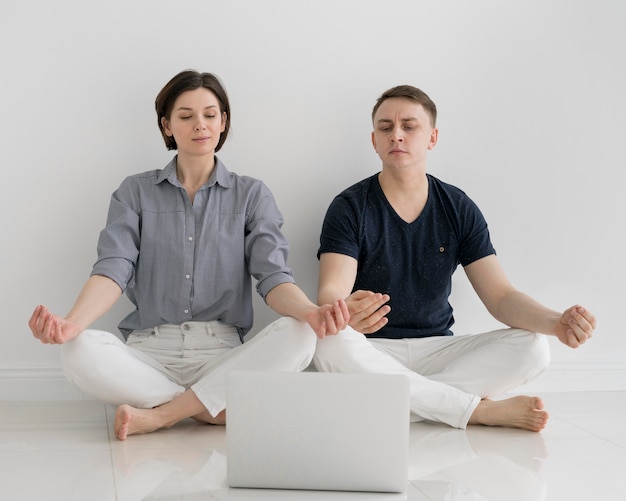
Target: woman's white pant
156	365
448	374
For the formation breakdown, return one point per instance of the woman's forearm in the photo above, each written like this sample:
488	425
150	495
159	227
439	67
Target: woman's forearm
288	299
97	297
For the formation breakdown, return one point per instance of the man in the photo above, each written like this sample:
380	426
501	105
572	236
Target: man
390	245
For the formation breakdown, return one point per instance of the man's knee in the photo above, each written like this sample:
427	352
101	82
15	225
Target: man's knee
533	351
541	352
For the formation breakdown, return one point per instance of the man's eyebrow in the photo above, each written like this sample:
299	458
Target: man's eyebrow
388	120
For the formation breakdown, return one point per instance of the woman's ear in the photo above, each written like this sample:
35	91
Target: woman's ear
166	126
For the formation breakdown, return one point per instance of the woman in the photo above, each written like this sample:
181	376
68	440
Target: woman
183	243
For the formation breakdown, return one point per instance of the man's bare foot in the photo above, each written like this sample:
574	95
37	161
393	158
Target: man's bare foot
516	412
132	421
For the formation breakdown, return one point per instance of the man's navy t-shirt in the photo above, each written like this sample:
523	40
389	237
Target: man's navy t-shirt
412	262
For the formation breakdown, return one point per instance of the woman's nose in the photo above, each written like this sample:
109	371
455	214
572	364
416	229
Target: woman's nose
199	125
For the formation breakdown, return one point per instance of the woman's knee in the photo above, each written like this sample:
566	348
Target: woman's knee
82	353
340	347
291	334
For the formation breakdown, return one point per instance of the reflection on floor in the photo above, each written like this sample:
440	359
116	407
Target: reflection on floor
66	451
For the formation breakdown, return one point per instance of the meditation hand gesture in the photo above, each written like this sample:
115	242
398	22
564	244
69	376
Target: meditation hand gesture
52	329
328	319
575	326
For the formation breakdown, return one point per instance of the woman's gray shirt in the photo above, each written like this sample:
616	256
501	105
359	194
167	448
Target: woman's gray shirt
180	262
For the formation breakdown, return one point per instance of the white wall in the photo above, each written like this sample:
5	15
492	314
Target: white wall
530	95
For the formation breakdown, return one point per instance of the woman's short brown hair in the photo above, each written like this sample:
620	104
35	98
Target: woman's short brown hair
412	93
184	81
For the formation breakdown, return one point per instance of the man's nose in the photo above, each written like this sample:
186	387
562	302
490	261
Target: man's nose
397	134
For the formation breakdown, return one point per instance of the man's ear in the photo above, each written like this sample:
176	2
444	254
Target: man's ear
434	135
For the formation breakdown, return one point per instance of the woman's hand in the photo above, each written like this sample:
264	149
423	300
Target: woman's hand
52	329
329	319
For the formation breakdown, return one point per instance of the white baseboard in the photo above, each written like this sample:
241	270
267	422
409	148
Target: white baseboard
36	384
50	384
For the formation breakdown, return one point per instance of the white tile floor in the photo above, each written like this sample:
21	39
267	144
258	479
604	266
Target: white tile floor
66	451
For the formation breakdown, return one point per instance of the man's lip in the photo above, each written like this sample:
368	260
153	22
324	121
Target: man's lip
397	151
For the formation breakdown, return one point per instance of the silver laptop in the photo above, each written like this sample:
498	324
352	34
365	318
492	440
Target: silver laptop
317	431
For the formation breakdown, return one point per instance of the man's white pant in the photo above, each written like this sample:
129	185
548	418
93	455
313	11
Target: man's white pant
448	374
156	365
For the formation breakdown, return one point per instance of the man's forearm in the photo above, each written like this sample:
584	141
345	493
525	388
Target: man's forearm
327	295
519	310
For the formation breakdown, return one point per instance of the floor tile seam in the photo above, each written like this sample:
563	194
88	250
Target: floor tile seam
119	447
56	450
612	439
416	487
110	451
575	392
577	418
561	440
595	412
586	429
61	427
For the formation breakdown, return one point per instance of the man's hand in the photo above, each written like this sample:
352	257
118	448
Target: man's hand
368	311
575	326
329	319
52	329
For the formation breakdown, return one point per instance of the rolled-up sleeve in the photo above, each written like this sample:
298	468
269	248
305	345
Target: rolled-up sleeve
118	244
266	247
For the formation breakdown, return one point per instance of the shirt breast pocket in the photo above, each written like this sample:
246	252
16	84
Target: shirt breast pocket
441	260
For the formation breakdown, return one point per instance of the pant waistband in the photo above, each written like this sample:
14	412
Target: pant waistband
212	327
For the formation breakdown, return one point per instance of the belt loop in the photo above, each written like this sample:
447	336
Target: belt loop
209	327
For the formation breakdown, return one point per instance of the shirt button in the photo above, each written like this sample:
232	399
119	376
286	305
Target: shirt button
186	311
190	239
187	276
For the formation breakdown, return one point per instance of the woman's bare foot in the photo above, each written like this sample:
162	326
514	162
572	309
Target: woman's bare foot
207	418
516	412
132	421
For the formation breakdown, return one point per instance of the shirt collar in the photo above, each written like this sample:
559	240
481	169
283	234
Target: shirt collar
220	174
